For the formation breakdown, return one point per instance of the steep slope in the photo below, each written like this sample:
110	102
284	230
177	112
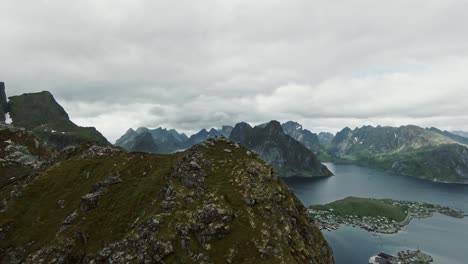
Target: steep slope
308	139
164	141
213	203
203	135
40	113
3	103
455	137
461	133
370	140
325	139
22	157
226	131
127	139
287	155
144	142
443	163
410	150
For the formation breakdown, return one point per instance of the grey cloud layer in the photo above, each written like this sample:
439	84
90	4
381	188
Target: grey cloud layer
328	64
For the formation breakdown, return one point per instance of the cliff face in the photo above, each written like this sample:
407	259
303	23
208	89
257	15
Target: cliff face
287	155
3	102
40	113
214	203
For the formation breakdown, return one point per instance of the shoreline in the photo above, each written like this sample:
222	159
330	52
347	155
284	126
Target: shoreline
329	219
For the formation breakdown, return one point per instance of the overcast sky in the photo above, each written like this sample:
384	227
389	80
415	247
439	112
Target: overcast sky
192	64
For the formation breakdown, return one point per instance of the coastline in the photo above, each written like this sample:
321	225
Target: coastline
327	218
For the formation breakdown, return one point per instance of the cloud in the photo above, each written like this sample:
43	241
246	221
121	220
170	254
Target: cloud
119	64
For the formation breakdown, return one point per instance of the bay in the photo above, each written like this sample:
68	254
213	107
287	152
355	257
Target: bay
443	237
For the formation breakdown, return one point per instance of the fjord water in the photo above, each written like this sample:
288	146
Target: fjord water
443	237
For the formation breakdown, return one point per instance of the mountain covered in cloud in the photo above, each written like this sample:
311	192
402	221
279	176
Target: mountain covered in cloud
287	155
425	153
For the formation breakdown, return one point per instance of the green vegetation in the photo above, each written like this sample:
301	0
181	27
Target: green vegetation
376	215
215	199
424	153
365	207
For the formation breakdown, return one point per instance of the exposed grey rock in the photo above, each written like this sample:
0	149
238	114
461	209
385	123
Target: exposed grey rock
3	102
90	201
71	218
287	155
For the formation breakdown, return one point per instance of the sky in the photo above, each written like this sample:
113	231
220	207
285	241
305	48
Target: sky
189	65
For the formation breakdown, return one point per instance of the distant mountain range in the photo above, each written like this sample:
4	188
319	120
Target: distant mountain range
164	141
42	115
461	133
159	140
273	145
425	153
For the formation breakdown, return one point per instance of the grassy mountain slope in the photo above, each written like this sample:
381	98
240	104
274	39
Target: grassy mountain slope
455	137
41	114
409	150
213	203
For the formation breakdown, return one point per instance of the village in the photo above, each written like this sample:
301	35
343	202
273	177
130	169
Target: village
331	219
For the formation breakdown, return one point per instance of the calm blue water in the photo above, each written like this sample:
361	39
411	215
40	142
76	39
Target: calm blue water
445	238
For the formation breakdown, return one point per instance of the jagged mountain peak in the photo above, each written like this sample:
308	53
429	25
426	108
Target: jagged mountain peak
273	145
44	116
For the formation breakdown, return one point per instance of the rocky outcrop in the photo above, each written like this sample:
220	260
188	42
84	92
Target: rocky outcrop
3	102
22	157
287	155
41	114
214	203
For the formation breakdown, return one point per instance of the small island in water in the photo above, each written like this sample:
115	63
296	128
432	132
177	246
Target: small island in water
375	215
403	257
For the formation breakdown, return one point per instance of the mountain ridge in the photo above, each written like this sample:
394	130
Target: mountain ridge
273	145
409	150
213	203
